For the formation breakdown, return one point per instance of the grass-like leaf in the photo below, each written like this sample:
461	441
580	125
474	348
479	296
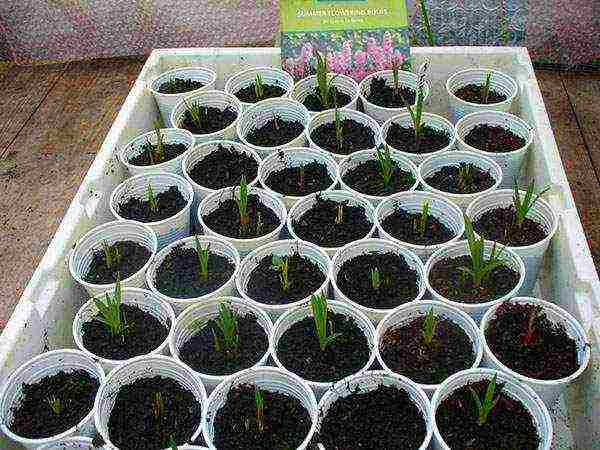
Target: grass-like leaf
426	23
151	197
55	404
523	205
386	165
318	304
110	312
324	85
485	89
259	399
465	175
259	87
227	323
158	155
197	114
203	255
375	279
282	265
158	405
113	254
416	110
429	326
489	401
420	222
242	202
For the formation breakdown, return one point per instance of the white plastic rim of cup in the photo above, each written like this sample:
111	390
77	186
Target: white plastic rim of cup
509	162
71	443
271	379
142	299
32	371
548	390
461	248
512	388
139	368
435	163
82	254
270	76
215	245
413	310
281	248
370	246
343	83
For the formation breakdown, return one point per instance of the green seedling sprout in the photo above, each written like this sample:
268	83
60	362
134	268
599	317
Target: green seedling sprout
282	265
339	128
339	217
523	205
151	197
172	443
113	254
386	165
227	323
242	202
484	408
110	312
318	304
259	87
485	89
158	155
203	254
420	222
465	174
197	114
375	278
429	326
260	409
426	23
324	85
416	110
158	405
55	404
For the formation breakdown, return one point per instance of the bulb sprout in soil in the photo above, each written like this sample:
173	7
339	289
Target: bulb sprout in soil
485	89
227	323
318	304
489	401
386	166
55	404
242	202
203	255
416	111
158	406
465	175
339	217
110	312
324	86
151	197
259	399
259	87
197	114
113	254
282	266
157	153
375	279
420	222
429	326
523	205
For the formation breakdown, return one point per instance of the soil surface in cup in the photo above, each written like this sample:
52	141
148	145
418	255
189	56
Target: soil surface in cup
404	226
149	411
474	93
207	352
331	223
180	275
378	280
404	139
406	351
493	139
54	404
132	258
300	180
299	351
449	280
225	219
523	338
248	93
143	334
465	178
383	94
313	100
285	421
500	225
170	202
509	425
275	132
179	86
385	418
366	178
151	155
213	120
355	136
223	168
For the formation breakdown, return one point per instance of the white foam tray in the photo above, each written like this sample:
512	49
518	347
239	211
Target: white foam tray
44	314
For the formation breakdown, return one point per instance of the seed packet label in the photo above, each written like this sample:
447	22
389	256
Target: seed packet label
359	37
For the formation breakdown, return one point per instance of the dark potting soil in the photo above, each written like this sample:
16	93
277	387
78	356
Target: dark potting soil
200	353
474	93
170	202
299	351
366	178
225	219
73	392
275	132
286	422
385	419
449	280
544	352
179	86
404	350
499	225
403	138
401	225
144	334
318	224
399	283
179	274
147	157
300	180
304	276
384	95
215	119
248	94
313	101
448	179
355	137
509	425
134	423
133	258
495	139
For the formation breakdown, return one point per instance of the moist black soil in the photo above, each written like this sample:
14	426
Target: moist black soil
179	274
318	224
404	350
449	280
509	425
399	283
225	220
355	137
133	423
201	354
495	139
313	101
179	86
299	181
474	93
34	418
544	352
385	419
275	132
448	179
286	422
224	168
170	202
144	334
248	94
299	351
403	138
147	157
366	178
133	258
384	95
500	225
215	119
401	225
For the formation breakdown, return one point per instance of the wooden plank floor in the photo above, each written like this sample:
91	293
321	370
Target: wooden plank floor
54	118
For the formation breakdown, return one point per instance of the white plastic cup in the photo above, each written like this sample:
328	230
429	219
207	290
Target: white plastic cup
370	246
167	230
548	390
72	443
32	371
512	388
216	246
281	248
138	298
342	83
81	256
270	76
